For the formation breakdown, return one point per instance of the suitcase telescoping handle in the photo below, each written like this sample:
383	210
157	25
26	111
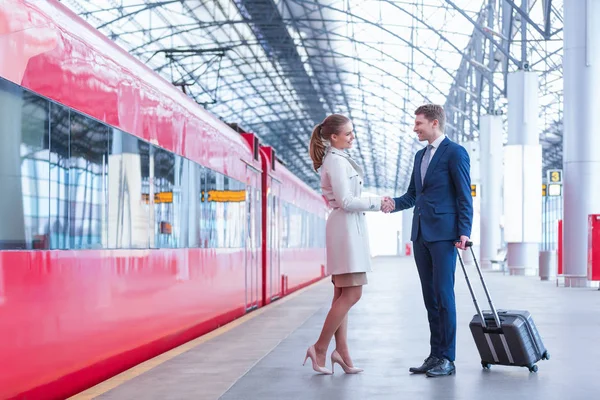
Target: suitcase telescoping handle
496	318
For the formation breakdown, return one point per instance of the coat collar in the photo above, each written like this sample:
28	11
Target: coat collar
339	152
342	153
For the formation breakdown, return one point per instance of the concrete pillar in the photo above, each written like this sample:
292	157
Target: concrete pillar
472	148
581	139
490	187
523	175
407	217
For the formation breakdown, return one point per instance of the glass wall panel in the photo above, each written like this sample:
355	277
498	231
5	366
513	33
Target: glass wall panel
129	217
87	180
24	207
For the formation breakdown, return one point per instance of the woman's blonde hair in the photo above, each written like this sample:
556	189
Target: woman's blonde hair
331	125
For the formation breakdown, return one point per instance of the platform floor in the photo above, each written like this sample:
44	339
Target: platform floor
260	356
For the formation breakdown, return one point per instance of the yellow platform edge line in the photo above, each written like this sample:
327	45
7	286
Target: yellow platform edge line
147	365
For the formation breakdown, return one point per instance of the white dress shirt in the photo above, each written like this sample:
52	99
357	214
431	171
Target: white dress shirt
436	143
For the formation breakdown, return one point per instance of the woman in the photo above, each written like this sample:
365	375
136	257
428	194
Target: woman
348	254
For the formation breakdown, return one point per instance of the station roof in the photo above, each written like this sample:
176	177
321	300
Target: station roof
278	67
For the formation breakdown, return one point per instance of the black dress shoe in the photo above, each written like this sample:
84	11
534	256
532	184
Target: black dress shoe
443	368
430	362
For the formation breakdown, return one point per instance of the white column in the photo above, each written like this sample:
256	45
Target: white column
490	189
523	175
581	138
472	148
407	217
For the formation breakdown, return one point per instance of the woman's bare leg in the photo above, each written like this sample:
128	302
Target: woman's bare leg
336	316
341	335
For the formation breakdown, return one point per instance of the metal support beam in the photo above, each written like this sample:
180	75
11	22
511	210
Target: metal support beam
525	14
276	41
484	32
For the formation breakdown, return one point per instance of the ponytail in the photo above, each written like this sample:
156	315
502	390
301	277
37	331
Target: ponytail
317	147
322	133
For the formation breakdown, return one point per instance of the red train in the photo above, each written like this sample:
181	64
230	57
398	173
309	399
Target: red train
131	220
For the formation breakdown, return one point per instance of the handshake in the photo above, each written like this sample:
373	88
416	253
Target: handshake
387	204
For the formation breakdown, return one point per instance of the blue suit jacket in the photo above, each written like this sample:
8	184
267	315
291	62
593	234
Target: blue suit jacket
443	203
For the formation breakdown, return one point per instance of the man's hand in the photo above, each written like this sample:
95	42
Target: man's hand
463	243
387	204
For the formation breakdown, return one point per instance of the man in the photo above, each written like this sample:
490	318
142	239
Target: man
440	191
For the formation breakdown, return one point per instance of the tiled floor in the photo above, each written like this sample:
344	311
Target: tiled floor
262	358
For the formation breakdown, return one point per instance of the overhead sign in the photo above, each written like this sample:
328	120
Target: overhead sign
554	175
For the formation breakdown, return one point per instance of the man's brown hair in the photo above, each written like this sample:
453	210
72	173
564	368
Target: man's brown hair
431	112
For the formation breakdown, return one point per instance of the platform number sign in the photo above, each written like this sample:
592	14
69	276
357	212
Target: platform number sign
554	176
554	183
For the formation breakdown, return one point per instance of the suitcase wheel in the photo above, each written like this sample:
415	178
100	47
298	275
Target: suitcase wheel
546	356
533	368
485	365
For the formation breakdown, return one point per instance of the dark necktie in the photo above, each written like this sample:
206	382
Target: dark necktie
425	162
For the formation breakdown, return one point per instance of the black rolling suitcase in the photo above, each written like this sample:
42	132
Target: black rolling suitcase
506	337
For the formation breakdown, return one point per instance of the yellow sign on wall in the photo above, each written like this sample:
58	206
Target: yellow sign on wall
160	197
225	195
473	190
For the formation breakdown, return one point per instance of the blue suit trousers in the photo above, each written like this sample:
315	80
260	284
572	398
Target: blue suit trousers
436	263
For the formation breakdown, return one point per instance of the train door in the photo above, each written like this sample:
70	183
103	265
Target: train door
253	238
274	241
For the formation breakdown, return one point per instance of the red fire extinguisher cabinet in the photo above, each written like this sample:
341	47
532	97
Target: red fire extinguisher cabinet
594	247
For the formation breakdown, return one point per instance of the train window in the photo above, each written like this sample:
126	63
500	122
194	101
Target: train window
181	209
24	206
238	205
87	180
60	128
205	223
202	207
187	221
256	148
128	192
258	215
232	200
164	205
219	206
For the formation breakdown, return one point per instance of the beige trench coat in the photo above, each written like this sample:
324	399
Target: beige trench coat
347	239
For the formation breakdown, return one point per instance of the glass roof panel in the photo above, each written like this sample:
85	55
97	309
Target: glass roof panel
279	67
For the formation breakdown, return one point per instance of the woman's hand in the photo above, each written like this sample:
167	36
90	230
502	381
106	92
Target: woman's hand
387	204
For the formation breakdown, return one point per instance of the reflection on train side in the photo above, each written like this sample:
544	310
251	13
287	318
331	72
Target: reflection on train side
71	182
